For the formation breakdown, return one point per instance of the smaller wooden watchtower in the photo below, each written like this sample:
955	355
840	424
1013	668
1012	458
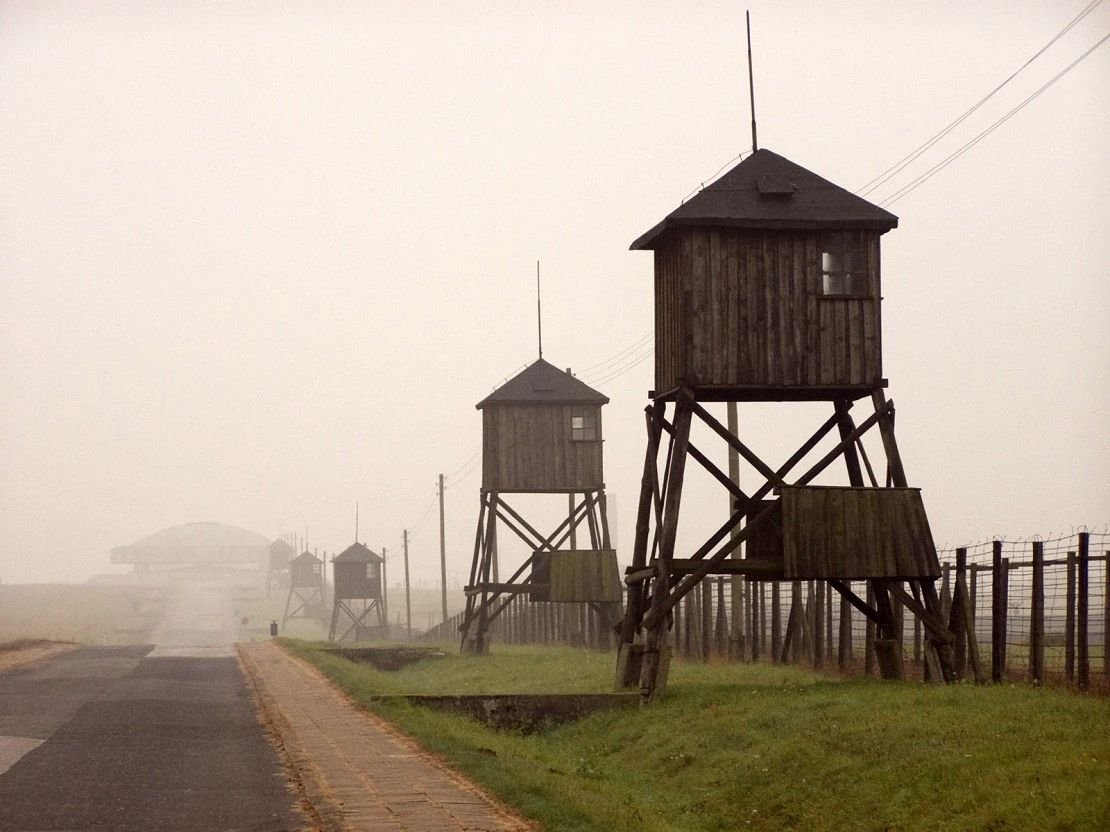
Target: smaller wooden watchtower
306	588
278	556
357	574
541	434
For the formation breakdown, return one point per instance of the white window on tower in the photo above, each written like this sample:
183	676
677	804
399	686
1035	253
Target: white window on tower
843	267
583	426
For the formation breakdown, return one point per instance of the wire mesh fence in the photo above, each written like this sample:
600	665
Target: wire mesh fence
1039	611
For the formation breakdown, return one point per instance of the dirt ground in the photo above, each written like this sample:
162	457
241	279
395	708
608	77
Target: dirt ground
32	652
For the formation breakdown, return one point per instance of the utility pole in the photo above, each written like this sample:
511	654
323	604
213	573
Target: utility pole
385	591
442	552
408	597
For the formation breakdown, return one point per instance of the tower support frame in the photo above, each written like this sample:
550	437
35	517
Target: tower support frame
657	580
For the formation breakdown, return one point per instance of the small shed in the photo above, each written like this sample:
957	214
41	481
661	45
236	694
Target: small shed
357	572
541	432
767	287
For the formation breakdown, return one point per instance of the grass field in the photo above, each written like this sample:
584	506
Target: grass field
103	614
762	747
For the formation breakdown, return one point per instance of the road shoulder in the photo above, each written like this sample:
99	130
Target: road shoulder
357	771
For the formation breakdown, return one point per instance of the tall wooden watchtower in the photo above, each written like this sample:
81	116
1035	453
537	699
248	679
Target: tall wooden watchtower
541	434
306	588
767	289
278	556
357	574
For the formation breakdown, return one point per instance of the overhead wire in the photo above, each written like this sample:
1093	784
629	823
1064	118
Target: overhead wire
907	160
939	166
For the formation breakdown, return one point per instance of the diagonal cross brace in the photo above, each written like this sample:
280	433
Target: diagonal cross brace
655	615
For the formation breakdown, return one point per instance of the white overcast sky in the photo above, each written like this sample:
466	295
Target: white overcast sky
258	261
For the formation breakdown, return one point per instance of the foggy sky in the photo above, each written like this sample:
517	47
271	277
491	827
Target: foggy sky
258	263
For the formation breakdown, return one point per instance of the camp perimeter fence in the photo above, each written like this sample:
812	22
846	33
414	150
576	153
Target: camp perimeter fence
1039	610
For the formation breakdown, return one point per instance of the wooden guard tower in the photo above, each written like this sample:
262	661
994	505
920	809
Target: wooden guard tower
306	588
357	573
278	556
541	434
767	289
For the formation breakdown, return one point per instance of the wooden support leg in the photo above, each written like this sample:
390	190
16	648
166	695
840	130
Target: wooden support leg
656	660
629	652
888	648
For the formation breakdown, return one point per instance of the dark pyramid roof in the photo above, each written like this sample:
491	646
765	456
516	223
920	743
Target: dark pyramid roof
281	547
768	191
306	556
357	553
543	383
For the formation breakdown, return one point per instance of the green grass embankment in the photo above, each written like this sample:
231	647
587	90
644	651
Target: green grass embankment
732	747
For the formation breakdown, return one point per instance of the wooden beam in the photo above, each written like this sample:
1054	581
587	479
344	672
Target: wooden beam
938	630
853	599
502	588
708	465
735	443
691	580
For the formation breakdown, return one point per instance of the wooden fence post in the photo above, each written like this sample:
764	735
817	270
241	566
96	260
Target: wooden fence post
956	615
776	627
828	621
844	647
1082	611
998	615
1036	617
1106	615
869	636
721	631
1069	621
818	629
706	618
754	608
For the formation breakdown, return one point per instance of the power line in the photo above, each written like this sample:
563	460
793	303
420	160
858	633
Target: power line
937	168
617	356
900	165
616	372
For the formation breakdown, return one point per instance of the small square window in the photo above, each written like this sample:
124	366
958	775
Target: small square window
843	273
583	427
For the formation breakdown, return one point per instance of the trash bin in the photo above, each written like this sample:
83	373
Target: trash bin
273	629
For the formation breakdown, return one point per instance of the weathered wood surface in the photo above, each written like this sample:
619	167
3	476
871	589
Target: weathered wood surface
855	533
528	448
574	575
357	580
741	307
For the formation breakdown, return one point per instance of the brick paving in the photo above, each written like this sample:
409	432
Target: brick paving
358	772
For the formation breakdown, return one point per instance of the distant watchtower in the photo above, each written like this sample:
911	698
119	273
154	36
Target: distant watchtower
306	588
278	556
357	573
767	289
541	434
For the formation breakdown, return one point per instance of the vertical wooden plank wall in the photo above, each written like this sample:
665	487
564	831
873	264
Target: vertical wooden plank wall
740	307
528	447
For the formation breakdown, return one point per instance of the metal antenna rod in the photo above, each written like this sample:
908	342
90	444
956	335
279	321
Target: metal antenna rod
751	79
539	316
356	521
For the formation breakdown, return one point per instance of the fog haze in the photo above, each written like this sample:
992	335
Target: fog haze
258	264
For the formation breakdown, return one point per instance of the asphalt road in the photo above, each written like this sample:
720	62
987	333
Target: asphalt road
154	738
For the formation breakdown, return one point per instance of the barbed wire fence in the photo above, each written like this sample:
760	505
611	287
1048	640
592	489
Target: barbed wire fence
1039	612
